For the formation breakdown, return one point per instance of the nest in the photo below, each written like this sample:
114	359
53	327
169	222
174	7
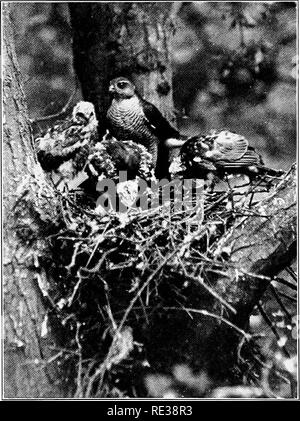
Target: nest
127	286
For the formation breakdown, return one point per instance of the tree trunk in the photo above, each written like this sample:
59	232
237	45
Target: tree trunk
123	39
260	246
30	208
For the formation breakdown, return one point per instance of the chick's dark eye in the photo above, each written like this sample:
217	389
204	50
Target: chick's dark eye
122	85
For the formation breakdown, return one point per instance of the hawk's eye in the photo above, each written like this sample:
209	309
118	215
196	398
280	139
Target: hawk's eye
122	85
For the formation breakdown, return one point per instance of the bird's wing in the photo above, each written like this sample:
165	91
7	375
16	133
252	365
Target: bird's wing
61	143
229	146
250	158
157	123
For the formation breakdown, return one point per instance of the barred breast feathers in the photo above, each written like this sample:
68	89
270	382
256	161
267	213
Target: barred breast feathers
125	108
128	119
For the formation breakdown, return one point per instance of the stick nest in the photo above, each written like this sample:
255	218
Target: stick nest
131	289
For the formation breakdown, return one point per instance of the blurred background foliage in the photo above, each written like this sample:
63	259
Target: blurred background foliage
234	67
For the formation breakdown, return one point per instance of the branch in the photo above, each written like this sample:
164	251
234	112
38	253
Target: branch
259	247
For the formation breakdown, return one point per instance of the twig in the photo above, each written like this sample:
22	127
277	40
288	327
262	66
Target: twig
74	255
289	297
291	272
246	335
278	299
208	288
285	282
70	300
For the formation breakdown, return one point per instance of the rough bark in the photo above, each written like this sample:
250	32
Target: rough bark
260	246
29	209
123	39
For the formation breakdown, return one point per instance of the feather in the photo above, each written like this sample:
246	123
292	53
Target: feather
230	146
159	124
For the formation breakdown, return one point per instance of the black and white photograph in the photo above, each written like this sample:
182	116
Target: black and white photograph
149	203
